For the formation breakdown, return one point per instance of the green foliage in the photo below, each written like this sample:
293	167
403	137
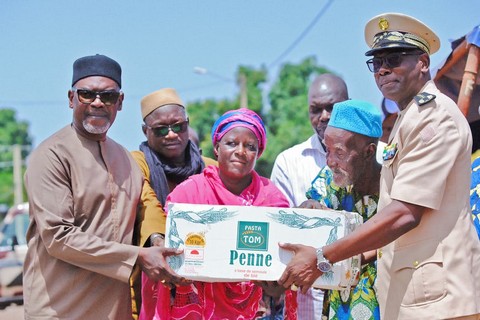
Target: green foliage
286	116
6	188
12	132
203	115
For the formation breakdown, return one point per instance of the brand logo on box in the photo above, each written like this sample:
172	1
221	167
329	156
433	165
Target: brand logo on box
252	235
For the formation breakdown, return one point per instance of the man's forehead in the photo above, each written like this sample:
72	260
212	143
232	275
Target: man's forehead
325	98
168	111
337	135
95	81
341	139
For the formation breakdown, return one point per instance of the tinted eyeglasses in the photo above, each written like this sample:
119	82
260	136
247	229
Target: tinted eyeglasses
162	131
108	97
391	60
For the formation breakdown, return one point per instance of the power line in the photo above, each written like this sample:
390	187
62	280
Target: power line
201	70
282	56
302	35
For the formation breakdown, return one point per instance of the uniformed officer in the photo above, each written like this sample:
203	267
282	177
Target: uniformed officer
428	251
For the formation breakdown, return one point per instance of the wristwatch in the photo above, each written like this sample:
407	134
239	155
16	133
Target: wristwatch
322	263
155	236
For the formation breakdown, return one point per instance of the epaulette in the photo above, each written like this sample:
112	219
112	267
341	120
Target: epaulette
423	98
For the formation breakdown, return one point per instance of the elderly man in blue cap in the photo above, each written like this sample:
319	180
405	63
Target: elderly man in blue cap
428	255
350	182
83	190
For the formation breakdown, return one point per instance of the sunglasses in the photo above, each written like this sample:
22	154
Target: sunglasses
162	131
391	60
108	97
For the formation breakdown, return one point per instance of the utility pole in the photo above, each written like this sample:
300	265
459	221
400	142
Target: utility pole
242	82
17	174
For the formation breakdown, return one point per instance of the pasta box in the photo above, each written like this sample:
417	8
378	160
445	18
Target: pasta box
240	243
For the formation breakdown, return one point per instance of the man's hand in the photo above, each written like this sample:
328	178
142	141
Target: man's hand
271	288
302	270
154	263
313	204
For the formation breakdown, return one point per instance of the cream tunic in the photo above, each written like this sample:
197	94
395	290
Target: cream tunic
432	271
83	198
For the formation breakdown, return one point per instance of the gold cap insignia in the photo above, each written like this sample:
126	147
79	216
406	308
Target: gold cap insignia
383	24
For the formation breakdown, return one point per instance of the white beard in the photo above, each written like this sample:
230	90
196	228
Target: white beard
346	181
96	129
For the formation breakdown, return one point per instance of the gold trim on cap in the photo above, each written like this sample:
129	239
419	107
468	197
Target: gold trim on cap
396	37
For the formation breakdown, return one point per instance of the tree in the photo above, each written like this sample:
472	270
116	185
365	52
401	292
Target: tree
203	114
287	120
12	132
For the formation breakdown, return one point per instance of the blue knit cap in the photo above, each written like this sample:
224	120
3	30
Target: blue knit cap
357	116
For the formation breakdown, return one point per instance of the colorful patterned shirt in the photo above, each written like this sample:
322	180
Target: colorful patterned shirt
361	302
475	194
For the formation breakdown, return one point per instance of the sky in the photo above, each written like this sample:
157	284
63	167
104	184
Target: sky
159	43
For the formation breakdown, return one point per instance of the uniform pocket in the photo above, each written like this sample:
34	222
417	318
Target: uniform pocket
426	279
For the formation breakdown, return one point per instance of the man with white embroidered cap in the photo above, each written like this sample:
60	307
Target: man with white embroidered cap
428	252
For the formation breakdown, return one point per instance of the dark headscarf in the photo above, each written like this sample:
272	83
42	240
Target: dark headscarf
161	172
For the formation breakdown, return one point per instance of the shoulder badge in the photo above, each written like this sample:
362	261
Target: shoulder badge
424	98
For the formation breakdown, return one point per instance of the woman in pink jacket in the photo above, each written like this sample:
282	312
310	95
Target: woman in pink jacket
239	138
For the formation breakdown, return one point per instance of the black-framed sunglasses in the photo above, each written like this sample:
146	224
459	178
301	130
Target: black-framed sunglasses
108	97
391	60
162	131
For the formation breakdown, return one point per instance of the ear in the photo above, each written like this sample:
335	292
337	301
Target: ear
425	61
120	101
71	95
215	150
370	151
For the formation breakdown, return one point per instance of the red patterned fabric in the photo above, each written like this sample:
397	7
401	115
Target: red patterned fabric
290	305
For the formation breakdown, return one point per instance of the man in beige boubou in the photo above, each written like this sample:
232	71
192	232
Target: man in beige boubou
83	190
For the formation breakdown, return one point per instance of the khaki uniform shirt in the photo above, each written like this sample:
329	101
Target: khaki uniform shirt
432	271
83	198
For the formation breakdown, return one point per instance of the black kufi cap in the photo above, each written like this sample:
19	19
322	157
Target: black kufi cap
97	65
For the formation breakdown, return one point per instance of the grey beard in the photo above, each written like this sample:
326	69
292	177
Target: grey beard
346	180
95	129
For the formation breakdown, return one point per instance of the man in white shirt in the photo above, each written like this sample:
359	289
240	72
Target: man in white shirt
295	168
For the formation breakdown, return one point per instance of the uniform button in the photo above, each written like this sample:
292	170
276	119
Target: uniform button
380	253
415	263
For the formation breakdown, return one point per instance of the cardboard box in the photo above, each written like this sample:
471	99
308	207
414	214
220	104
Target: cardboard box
239	243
